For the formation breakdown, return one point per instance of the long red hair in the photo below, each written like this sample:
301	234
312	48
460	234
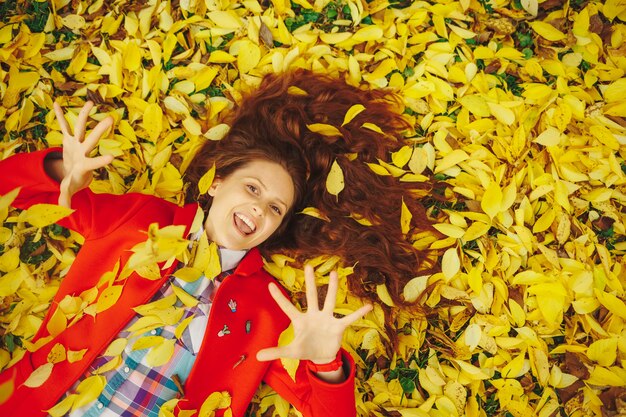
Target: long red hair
276	115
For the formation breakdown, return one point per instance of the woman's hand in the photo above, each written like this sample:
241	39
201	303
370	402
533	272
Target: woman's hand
317	333
77	165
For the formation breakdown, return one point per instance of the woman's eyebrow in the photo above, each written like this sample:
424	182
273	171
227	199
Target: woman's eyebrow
265	188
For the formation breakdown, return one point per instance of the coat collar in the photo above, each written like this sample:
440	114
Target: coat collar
250	264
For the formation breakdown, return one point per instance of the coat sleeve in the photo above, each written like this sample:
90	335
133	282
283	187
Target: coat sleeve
94	215
312	396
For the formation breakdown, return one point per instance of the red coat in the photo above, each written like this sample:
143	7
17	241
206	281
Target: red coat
111	225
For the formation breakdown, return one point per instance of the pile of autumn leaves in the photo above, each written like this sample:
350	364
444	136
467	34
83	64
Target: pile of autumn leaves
517	106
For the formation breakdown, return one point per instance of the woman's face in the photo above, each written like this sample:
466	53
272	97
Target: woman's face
249	205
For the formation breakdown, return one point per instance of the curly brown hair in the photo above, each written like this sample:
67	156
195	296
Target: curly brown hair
272	122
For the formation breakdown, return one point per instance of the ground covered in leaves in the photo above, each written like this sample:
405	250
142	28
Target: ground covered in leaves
518	107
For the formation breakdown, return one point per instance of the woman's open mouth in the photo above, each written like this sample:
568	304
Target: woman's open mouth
244	224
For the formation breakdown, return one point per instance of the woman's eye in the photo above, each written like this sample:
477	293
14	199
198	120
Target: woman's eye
276	210
252	189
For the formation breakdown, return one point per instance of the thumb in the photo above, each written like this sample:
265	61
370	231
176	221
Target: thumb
271	354
65	199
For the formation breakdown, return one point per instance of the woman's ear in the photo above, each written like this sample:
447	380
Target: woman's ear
213	188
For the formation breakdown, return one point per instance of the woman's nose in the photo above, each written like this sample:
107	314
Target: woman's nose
257	210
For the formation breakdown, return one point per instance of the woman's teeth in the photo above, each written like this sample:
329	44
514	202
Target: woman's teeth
247	221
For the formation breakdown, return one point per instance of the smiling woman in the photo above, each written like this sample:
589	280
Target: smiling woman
313	126
249	205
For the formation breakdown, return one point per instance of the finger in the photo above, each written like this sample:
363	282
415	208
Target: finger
311	289
92	164
282	301
64	195
58	111
81	122
331	294
94	136
270	354
354	316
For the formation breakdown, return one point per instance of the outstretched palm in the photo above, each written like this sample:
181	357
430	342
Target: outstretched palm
77	165
317	333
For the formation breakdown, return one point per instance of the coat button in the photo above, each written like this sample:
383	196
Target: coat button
100	405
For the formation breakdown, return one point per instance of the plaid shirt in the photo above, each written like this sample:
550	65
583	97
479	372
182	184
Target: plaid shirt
134	388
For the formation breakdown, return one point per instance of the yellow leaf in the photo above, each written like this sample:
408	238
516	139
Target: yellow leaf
384	296
57	323
88	390
472	336
57	354
378	169
248	57
615	91
463	33
402	156
453	158
515	368
296	91
39	376
161	354
503	114
148	342
549	137
150	271
215	401
213	267
476	105
313	212
450	230
290	365
361	220
324	129
10	260
206	180
112	364
153	121
450	263
334	181
414	288
63	406
225	19
492	199
184	296
221	57
539	365
333	38
372	127
605	136
603	351
545	221
108	297
405	218
176	105
10	282
116	347
75	355
368	33
7	199
475	230
41	215
352	112
605	377
611	302
178	332
547	31
188	274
